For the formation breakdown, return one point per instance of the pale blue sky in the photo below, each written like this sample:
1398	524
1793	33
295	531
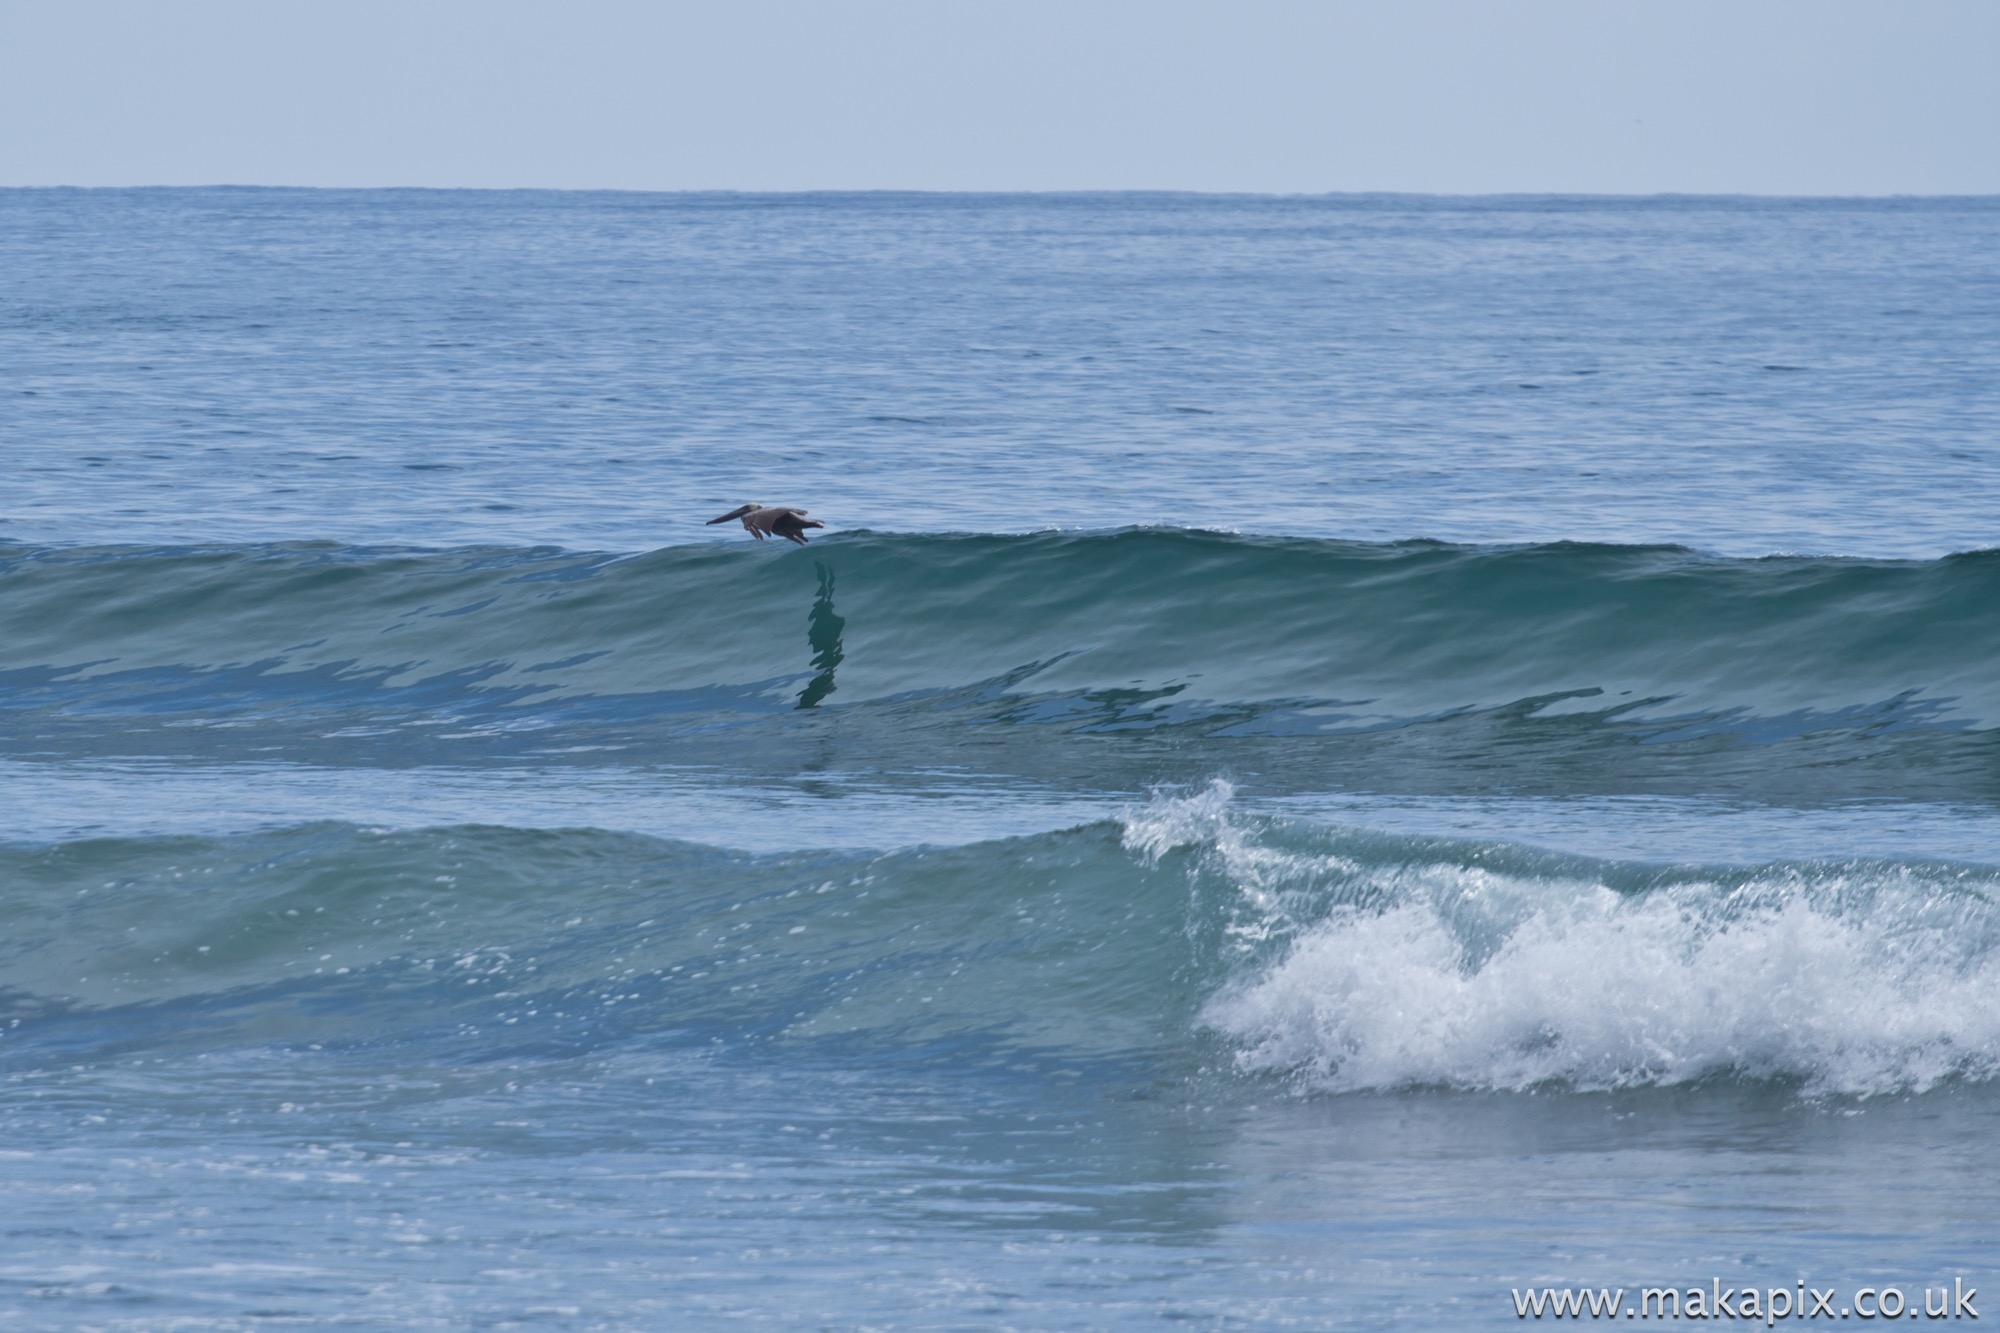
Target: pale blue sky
1615	96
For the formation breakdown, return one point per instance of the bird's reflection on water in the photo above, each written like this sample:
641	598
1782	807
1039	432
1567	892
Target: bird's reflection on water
823	629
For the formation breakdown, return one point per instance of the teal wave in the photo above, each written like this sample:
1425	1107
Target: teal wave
1182	939
1107	658
1187	618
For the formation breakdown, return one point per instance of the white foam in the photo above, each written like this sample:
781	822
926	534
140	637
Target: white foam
1857	977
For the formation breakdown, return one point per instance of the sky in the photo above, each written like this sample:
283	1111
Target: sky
1796	97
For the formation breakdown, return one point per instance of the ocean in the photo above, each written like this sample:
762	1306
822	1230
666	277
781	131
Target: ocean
1337	760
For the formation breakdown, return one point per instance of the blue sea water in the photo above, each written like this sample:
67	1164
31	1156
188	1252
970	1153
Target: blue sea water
1335	759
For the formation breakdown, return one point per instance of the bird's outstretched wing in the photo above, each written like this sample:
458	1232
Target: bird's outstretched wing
791	524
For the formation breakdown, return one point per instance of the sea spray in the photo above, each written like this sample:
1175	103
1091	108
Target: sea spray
1375	963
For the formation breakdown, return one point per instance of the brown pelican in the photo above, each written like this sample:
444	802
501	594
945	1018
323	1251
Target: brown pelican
761	522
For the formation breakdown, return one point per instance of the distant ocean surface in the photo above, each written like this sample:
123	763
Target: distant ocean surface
1336	758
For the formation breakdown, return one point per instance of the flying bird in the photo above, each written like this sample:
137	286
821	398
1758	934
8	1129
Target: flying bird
761	522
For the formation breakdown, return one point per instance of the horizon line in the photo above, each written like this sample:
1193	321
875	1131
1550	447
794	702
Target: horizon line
1061	192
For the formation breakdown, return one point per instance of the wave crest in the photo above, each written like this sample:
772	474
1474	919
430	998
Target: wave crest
1368	963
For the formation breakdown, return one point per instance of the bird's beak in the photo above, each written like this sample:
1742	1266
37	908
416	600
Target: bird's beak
734	513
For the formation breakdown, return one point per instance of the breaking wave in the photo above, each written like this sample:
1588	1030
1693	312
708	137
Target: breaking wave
1189	936
1365	962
